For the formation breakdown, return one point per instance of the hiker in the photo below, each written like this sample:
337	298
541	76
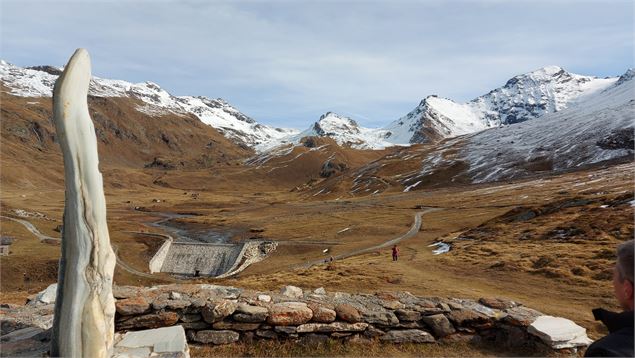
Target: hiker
619	342
395	253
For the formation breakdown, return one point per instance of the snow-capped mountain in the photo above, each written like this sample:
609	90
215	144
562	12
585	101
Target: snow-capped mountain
524	97
38	82
598	129
345	131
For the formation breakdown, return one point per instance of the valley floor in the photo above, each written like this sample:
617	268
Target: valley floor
547	243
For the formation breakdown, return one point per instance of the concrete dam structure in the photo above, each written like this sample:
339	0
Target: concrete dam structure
204	259
201	259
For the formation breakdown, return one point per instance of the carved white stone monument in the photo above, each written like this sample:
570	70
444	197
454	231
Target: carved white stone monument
83	325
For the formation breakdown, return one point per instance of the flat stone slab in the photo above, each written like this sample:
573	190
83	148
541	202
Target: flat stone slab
559	332
160	340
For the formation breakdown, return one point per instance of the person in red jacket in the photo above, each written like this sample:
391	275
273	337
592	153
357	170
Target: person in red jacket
395	253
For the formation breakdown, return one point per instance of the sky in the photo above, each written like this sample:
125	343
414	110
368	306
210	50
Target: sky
284	63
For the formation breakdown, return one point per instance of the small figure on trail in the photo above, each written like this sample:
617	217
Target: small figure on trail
395	253
331	259
619	341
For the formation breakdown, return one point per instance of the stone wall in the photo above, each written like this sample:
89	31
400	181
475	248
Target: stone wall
213	314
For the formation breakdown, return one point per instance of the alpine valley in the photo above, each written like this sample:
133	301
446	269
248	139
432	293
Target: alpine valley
521	193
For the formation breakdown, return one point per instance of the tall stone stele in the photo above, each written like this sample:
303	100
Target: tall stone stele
83	325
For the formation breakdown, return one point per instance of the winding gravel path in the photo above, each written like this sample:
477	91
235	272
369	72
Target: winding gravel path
32	229
414	229
124	266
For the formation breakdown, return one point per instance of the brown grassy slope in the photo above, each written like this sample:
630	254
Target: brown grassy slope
315	160
126	137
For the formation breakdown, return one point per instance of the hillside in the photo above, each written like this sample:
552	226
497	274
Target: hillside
593	132
524	97
148	98
127	139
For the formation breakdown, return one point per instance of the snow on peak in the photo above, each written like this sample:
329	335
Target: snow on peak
331	124
528	96
627	76
38	81
345	131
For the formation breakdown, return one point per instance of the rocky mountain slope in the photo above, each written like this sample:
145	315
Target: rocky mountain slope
591	132
312	160
127	139
153	100
344	130
524	97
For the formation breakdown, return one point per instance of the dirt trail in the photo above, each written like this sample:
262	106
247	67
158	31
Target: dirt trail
414	229
31	228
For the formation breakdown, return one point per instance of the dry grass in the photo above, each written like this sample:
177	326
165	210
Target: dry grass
334	348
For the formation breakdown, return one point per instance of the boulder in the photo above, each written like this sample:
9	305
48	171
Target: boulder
264	298
322	314
153	320
407	336
159	342
407	315
248	313
198	325
216	311
439	324
392	304
164	301
292	291
320	291
289	314
125	291
331	327
193	317
132	306
497	303
465	317
286	329
558	332
382	318
348	313
216	337
521	316
236	326
47	296
372	332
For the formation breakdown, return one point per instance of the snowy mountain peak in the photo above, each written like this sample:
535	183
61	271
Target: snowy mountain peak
345	131
627	76
38	81
527	96
331	124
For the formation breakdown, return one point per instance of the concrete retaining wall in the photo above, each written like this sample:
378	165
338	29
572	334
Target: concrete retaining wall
201	259
159	258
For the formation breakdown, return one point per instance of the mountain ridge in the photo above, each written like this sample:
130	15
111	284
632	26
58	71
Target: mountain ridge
523	97
38	81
